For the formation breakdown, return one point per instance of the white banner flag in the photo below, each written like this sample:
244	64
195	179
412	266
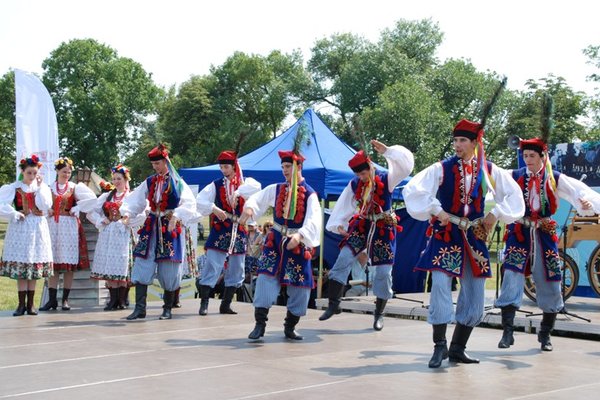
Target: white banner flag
37	129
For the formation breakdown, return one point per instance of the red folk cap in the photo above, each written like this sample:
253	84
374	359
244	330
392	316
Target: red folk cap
469	129
535	144
359	162
227	157
160	152
290	156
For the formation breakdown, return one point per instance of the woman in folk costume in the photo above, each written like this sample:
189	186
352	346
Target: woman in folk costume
160	249
113	256
531	242
451	194
363	215
69	247
27	254
288	248
223	199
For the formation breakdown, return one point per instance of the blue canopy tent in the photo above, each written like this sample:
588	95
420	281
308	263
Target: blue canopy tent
325	169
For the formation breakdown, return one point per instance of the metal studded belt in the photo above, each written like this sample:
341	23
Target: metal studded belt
283	229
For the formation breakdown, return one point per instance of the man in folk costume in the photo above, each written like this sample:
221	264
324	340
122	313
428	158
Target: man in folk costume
451	194
285	260
363	215
160	248
224	200
531	242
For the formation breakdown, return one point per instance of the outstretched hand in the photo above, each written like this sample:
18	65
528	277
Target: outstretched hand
378	146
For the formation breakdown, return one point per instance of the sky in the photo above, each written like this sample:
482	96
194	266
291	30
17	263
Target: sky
176	39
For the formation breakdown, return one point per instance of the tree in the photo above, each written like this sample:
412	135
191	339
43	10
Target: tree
101	101
593	54
239	105
569	108
7	128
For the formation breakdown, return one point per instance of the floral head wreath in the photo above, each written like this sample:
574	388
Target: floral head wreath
106	186
63	162
122	170
32	161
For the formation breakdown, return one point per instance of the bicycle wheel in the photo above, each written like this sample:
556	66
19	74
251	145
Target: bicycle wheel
571	271
593	270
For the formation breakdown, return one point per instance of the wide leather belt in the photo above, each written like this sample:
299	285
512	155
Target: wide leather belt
283	229
232	217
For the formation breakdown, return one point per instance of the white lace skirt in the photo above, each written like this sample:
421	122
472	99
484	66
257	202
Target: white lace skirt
27	250
113	255
65	239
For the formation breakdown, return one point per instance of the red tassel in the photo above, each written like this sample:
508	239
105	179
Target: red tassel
163	229
400	228
139	231
381	232
391	234
446	237
438	236
269	244
218	227
297	250
307	255
227	224
178	229
429	231
173	234
555	238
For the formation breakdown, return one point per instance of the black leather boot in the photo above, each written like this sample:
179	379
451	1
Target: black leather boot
335	289
113	301
508	325
52	303
546	327
30	302
168	297
65	300
378	315
290	323
141	292
225	307
457	353
440	349
176	302
204	296
21	307
122	294
260	316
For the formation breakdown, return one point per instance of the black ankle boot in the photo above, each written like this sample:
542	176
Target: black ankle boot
21	307
204	296
113	301
508	326
225	307
440	349
290	323
457	353
52	303
65	300
141	292
378	314
546	326
260	316
168	298
30	302
335	289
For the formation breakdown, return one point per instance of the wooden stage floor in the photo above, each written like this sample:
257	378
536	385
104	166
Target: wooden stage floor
91	354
